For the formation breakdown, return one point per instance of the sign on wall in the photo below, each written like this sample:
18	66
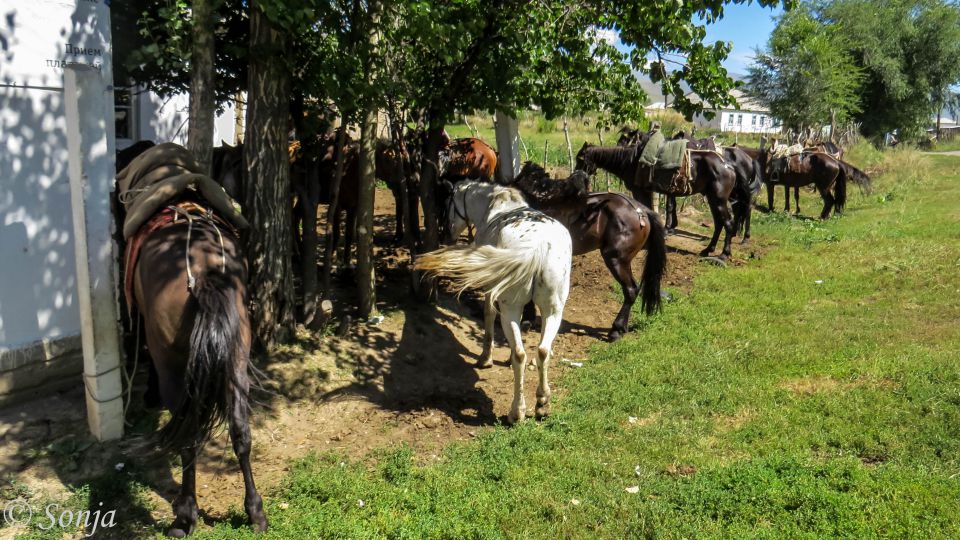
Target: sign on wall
39	37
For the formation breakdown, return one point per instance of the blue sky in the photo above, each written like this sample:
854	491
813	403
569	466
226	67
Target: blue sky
748	27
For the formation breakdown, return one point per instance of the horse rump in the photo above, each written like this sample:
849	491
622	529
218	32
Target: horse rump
210	373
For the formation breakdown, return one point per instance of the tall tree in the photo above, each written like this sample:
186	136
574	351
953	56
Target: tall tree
200	134
805	77
267	204
366	277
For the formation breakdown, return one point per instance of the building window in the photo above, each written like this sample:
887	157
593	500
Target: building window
763	119
730	119
753	120
123	112
739	119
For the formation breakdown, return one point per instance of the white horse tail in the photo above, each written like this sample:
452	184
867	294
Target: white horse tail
491	269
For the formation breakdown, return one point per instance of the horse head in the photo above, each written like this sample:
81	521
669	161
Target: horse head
584	163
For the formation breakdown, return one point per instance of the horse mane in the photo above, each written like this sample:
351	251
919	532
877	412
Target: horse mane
535	183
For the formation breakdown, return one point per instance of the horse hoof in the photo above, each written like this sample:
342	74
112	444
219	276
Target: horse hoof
485	363
614	335
745	241
706	252
542	411
260	526
515	417
178	532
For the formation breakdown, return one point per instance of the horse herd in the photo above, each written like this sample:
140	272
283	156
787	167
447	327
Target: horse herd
189	277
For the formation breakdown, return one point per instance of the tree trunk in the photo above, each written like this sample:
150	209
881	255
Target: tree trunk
268	173
200	132
308	256
427	290
833	124
566	135
366	277
330	249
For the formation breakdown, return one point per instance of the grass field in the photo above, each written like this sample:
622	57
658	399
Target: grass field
812	392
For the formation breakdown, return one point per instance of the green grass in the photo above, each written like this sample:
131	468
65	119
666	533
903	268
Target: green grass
812	392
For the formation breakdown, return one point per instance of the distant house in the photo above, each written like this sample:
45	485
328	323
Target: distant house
747	117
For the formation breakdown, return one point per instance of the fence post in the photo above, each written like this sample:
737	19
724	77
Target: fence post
88	103
508	145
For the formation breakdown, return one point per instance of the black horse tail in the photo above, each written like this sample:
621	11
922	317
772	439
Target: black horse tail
655	265
210	377
855	175
840	189
757	180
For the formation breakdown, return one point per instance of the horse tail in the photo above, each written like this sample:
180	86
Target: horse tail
214	346
654	266
840	189
492	269
855	175
757	180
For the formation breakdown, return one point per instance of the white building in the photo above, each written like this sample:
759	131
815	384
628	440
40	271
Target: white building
40	322
747	117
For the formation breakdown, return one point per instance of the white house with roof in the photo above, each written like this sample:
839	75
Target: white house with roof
747	116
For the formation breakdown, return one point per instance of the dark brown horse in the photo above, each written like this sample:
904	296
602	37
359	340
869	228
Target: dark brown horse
615	224
189	285
711	176
826	147
745	167
828	174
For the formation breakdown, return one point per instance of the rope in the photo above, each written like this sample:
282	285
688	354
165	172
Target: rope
129	376
207	216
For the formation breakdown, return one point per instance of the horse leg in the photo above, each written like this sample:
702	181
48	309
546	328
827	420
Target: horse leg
240	435
796	198
510	322
770	188
489	318
185	504
623	273
786	194
552	315
671	213
828	201
721	219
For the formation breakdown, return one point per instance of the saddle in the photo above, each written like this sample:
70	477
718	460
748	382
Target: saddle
162	175
667	164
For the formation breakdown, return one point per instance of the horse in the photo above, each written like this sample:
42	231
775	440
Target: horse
519	254
468	158
711	176
128	154
824	171
189	286
746	169
613	223
825	147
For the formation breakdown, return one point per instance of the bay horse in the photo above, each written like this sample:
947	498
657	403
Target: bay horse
825	147
468	158
613	223
189	287
519	254
711	176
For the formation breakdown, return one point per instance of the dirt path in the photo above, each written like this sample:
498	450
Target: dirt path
409	379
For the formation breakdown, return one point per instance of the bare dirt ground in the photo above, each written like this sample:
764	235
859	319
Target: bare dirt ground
409	379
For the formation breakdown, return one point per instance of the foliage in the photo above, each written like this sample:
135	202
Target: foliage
804	77
908	52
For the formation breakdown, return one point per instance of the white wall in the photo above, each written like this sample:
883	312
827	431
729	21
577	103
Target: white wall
747	122
37	289
167	120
